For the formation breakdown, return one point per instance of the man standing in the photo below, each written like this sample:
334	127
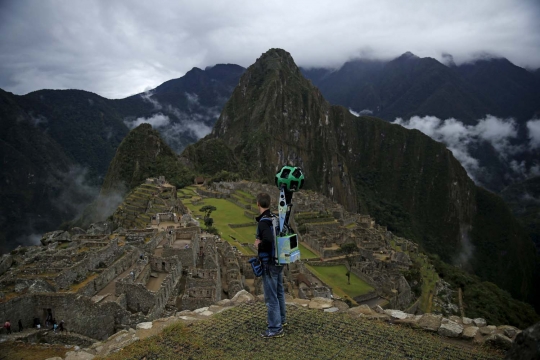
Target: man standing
272	278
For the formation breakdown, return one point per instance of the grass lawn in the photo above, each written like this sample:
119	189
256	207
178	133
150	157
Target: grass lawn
335	277
306	253
429	280
227	213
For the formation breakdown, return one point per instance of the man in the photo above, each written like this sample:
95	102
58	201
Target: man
272	278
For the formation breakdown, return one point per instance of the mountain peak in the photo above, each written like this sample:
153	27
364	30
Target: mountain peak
407	55
277	59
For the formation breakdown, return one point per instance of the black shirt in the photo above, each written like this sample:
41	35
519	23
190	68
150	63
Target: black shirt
265	233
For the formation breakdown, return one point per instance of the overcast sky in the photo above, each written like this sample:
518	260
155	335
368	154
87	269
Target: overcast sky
119	48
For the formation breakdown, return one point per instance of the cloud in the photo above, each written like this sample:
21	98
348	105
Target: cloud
147	96
117	48
157	121
176	127
361	112
533	126
461	139
76	190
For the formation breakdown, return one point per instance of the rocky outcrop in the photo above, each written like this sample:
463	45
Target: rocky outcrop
450	328
430	322
526	345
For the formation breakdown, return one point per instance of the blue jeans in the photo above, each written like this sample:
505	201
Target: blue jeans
274	296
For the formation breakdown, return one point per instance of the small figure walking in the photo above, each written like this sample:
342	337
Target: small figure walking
7	325
61	327
55	327
20	326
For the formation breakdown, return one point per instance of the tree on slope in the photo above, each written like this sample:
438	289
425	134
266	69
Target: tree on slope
349	251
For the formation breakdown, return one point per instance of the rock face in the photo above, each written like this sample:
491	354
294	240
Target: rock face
396	314
450	328
242	296
470	332
499	340
480	322
430	322
275	116
362	309
320	303
525	346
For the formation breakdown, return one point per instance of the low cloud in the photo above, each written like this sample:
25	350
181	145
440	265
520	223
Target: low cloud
147	96
157	121
179	128
361	112
461	139
534	133
76	190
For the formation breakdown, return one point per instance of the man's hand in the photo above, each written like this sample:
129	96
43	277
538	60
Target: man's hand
257	242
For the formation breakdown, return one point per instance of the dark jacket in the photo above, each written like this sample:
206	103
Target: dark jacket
265	233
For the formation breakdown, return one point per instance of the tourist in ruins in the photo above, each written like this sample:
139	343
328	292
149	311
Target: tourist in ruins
61	327
272	277
20	326
7	326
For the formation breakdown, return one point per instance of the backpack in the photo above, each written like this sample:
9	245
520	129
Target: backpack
285	248
274	224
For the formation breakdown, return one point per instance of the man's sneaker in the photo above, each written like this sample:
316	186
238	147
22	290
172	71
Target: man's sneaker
271	334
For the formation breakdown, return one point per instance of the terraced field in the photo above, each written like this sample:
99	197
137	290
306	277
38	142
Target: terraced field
336	278
234	334
230	213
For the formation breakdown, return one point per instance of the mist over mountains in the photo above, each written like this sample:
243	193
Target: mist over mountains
485	112
56	145
408	182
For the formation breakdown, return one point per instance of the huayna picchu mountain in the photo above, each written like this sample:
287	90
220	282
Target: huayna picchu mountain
141	155
407	181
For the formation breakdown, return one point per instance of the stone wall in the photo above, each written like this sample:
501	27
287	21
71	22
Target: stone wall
164	264
138	297
79	313
166	290
94	259
107	275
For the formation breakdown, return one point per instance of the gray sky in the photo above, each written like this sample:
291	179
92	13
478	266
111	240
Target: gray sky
119	48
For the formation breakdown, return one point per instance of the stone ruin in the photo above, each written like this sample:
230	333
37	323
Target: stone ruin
157	261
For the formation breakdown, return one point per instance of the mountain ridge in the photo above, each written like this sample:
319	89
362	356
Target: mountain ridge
403	178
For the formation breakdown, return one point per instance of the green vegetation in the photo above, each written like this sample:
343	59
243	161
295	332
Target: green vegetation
486	300
227	213
143	154
348	250
403	178
306	253
422	278
336	277
234	334
25	351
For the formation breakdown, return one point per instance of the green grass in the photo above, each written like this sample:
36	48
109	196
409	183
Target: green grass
246	194
335	277
227	213
429	280
306	253
234	334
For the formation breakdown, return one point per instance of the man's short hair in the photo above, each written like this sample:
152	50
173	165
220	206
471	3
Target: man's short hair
263	199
